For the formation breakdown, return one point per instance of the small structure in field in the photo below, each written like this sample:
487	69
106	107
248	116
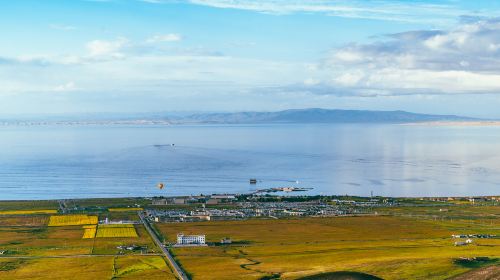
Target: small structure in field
463	243
226	240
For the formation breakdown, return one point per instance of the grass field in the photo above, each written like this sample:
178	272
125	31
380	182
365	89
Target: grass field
28	212
400	243
72	220
116	231
28	205
130	209
25	220
390	247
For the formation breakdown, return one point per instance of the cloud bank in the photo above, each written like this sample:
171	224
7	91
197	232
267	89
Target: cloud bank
442	14
463	60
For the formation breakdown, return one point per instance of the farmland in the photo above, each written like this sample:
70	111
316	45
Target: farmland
28	212
116	231
105	267
72	220
411	246
89	231
404	242
31	249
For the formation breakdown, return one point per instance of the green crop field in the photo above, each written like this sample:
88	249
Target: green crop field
84	268
390	247
30	249
28	205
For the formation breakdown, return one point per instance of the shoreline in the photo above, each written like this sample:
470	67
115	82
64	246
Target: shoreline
437	198
455	123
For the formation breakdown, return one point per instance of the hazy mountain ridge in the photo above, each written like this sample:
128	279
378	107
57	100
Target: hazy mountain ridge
320	116
313	115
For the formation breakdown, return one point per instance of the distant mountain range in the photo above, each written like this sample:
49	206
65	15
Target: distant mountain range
318	116
313	115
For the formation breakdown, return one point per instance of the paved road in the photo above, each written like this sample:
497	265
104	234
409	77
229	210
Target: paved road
170	258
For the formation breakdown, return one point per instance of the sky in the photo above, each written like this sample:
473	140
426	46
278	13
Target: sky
129	56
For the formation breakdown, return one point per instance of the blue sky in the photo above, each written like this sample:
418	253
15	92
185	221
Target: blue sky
232	55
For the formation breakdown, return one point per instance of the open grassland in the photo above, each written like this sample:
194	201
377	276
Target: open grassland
116	231
116	216
27	220
28	212
108	202
105	267
43	241
72	220
448	212
390	247
28	205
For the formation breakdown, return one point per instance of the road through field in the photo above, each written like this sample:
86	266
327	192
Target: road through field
173	263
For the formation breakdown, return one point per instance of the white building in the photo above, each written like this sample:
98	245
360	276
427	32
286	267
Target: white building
190	239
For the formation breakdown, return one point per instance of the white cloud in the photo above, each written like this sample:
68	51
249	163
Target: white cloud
461	60
464	60
172	37
69	86
102	48
404	11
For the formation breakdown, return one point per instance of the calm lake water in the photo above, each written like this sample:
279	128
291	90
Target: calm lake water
48	162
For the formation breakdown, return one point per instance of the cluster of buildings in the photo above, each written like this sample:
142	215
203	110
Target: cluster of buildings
213	199
194	215
251	209
372	202
286	209
473	236
469	237
474	199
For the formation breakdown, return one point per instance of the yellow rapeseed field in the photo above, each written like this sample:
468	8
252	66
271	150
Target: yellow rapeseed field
72	220
118	225
28	212
116	231
89	231
125	209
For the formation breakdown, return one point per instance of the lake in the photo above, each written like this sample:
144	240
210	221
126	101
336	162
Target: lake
50	162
